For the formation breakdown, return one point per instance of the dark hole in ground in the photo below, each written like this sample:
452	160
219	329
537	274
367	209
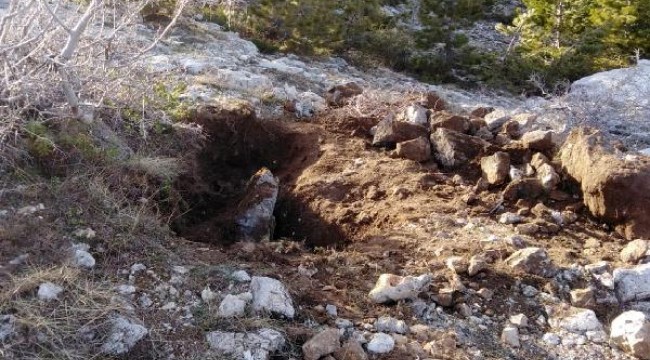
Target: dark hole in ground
237	146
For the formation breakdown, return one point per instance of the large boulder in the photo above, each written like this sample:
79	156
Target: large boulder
630	331
453	149
615	189
255	221
389	132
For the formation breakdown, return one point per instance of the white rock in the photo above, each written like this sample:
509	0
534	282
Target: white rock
232	306
7	327
510	336
123	336
576	320
49	291
551	339
270	295
331	310
86	233
145	301
343	323
391	325
126	289
208	296
509	218
83	259
391	287
381	344
630	331
247	346
415	114
632	284
519	320
136	268
19	259
240	276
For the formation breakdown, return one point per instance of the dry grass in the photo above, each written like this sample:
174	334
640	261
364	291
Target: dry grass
56	329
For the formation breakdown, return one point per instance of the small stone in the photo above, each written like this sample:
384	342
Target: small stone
232	306
270	295
391	287
136	268
324	343
391	325
208	296
49	291
583	298
519	320
529	291
414	114
418	149
509	218
145	301
548	177
538	140
331	310
351	350
516	242
486	294
630	331
83	259
632	284
240	276
532	261
477	264
551	339
123	336
634	251
528	229
510	336
457	264
496	168
445	297
381	344
343	323
126	289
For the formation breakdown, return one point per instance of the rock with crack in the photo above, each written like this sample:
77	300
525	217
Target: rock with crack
259	345
496	168
614	189
417	149
255	221
324	343
390	132
391	287
532	260
632	284
270	296
453	149
123	336
340	95
630	331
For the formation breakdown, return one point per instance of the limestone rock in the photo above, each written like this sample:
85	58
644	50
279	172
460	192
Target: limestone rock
259	345
324	343
270	295
613	189
453	149
496	168
574	320
49	291
351	350
391	325
391	287
632	284
630	331
123	336
510	336
381	344
255	219
414	114
390	132
635	251
538	140
340	95
449	121
232	306
532	260
548	177
417	149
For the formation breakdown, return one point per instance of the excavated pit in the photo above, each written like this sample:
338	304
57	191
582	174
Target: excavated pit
237	145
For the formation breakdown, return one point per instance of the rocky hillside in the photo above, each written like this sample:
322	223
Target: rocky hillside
283	207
